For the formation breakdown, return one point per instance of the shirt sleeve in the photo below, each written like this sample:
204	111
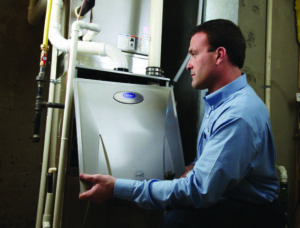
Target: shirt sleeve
225	160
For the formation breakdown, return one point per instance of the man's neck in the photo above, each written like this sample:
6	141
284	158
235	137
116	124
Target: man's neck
226	76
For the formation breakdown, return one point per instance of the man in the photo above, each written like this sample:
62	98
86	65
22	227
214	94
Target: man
233	181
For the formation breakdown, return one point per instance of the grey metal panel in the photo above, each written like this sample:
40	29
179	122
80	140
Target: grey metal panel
135	141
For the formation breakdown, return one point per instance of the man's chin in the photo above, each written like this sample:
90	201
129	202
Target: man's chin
195	85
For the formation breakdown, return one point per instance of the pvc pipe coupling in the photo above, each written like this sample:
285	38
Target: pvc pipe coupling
282	173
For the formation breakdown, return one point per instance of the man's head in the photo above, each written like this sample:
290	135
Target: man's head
224	33
217	50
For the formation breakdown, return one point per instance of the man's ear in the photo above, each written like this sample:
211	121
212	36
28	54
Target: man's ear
221	53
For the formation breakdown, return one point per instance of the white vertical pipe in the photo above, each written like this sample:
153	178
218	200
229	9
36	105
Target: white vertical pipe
47	214
66	120
41	201
47	217
65	128
156	17
268	55
84	47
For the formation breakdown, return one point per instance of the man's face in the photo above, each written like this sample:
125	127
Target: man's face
202	63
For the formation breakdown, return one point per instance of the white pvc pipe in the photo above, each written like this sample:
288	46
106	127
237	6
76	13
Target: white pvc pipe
36	10
156	17
47	218
76	26
182	68
84	47
268	55
89	36
47	215
282	174
40	208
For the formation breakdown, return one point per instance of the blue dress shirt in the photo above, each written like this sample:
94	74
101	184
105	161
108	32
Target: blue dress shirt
235	157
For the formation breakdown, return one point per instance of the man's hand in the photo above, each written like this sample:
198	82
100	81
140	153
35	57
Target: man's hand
102	187
187	170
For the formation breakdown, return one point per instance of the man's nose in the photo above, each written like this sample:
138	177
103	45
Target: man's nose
188	66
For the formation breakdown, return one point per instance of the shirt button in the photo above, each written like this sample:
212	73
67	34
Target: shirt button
207	115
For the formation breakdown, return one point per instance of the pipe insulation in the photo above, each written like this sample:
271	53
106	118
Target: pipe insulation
84	47
156	18
36	10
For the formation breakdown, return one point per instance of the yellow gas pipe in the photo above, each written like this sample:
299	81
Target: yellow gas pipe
44	46
41	76
38	108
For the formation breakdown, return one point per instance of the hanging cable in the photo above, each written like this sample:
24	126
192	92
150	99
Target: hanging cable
85	7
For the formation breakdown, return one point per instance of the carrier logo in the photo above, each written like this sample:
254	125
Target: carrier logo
128	97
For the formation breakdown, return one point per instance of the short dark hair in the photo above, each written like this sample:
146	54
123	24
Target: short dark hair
224	33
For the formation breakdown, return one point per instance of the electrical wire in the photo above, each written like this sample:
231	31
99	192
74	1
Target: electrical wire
82	5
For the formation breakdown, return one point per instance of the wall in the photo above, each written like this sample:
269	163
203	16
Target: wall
284	70
284	87
20	159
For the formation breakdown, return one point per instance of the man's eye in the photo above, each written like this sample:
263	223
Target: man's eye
193	54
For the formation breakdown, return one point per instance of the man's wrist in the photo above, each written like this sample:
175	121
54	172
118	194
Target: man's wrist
123	188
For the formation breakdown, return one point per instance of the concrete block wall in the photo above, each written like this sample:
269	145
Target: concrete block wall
20	159
284	73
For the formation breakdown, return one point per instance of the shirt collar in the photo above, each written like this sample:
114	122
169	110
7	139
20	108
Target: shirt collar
217	97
